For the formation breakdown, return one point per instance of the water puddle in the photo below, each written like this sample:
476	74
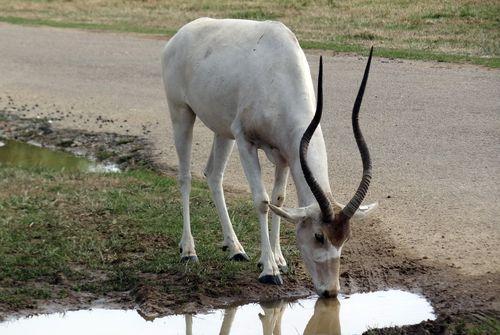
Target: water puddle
20	154
352	314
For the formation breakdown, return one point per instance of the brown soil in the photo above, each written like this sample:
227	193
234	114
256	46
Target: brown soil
370	262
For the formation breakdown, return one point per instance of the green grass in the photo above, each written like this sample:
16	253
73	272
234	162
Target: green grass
493	62
102	154
457	325
488	325
114	27
258	14
105	233
462	31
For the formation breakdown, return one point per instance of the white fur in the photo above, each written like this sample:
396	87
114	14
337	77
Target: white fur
248	82
322	255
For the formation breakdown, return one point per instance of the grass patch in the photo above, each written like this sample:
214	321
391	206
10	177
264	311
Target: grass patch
102	154
67	232
456	31
488	325
459	325
115	27
493	62
257	14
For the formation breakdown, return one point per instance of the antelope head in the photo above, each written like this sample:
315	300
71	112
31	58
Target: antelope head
323	227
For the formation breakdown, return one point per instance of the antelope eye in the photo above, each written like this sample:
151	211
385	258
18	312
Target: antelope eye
320	238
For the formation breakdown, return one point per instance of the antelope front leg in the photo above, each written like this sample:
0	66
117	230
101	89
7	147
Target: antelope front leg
277	199
250	161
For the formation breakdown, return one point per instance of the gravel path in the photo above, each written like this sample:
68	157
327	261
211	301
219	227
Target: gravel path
433	129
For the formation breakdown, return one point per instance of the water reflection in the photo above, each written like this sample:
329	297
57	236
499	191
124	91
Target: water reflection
271	318
348	315
227	322
20	154
325	319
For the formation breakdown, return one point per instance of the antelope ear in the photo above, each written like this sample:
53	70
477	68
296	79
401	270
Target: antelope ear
293	215
365	210
362	212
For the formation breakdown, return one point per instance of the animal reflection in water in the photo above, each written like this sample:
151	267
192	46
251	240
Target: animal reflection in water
325	320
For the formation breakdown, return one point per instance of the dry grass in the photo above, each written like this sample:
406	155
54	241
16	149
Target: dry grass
460	27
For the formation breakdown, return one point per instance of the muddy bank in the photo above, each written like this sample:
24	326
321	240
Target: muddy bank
125	151
369	261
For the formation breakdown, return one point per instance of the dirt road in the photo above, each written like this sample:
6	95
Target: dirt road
433	129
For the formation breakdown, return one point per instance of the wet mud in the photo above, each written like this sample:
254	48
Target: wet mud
124	151
369	261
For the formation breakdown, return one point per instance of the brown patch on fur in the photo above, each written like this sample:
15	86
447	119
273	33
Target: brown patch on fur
339	230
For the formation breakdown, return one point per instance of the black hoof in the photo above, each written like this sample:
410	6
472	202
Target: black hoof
180	250
283	269
240	257
272	280
189	259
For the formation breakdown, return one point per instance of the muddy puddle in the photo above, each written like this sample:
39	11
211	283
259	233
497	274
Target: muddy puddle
352	314
20	154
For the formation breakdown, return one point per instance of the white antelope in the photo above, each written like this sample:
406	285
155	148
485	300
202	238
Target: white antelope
250	82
